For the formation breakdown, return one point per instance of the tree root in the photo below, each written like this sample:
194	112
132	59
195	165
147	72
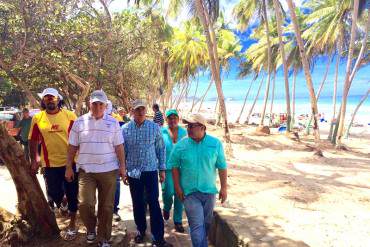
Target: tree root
15	231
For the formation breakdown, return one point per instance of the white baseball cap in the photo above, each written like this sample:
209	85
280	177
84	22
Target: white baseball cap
98	96
50	91
196	118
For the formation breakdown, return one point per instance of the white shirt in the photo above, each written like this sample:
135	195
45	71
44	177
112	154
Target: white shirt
96	140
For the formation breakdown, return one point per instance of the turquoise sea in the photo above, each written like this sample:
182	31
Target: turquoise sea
235	89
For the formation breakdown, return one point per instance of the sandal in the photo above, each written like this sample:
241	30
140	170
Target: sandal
69	234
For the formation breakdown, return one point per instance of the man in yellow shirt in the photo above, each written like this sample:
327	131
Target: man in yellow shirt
50	128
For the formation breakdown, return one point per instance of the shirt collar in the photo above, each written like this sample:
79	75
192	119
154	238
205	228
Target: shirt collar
91	117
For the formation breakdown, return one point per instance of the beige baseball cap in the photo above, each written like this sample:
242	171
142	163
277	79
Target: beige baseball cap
138	103
195	118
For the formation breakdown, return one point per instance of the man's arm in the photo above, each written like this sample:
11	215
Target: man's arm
222	173
120	152
160	150
71	153
176	182
33	150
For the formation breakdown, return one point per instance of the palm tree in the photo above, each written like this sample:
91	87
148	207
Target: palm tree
244	11
255	100
187	54
327	27
355	111
306	69
207	12
347	82
279	25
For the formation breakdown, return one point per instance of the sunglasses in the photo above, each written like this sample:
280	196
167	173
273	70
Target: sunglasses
193	125
49	98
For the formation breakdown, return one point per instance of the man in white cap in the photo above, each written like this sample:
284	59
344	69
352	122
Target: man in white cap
194	161
145	158
98	138
51	128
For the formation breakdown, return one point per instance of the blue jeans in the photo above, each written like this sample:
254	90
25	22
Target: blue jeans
117	195
199	211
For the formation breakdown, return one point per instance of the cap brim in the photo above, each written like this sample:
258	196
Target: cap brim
55	95
97	100
189	120
137	106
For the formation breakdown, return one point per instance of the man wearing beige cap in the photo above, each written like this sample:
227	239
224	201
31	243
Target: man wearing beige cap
194	161
145	158
98	138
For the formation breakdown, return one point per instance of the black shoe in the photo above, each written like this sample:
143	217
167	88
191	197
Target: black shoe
139	238
161	243
179	228
166	215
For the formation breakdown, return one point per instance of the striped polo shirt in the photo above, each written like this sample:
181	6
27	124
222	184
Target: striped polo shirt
96	140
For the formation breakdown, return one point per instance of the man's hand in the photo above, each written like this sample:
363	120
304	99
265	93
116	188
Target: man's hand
180	193
162	176
123	175
34	167
69	174
222	195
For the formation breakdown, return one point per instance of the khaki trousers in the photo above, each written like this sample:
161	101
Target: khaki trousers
105	183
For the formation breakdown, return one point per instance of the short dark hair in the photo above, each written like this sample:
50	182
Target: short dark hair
156	106
25	110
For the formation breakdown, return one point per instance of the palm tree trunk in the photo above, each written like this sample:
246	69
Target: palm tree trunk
319	92
268	50
255	100
279	25
356	110
306	69
339	47
195	95
182	94
204	95
215	67
293	94
347	82
324	78
272	97
245	101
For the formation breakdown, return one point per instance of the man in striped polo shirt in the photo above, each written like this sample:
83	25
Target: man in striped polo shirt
158	116
51	127
98	138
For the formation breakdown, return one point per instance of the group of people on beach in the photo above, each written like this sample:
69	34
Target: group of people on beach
92	153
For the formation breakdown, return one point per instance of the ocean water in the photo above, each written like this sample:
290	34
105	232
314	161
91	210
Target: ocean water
235	89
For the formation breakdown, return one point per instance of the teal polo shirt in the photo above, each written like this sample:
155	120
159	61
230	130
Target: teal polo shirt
181	133
197	163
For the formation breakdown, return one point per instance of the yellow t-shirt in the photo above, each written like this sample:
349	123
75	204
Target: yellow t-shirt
118	117
52	131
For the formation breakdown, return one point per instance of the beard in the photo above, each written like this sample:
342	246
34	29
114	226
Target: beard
51	106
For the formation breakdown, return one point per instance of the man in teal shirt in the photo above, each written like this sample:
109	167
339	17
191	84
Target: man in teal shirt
25	125
194	161
172	134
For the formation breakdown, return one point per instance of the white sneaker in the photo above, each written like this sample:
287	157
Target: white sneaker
104	244
90	237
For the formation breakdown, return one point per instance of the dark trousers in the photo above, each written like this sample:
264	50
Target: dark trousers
117	195
57	186
148	184
26	150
